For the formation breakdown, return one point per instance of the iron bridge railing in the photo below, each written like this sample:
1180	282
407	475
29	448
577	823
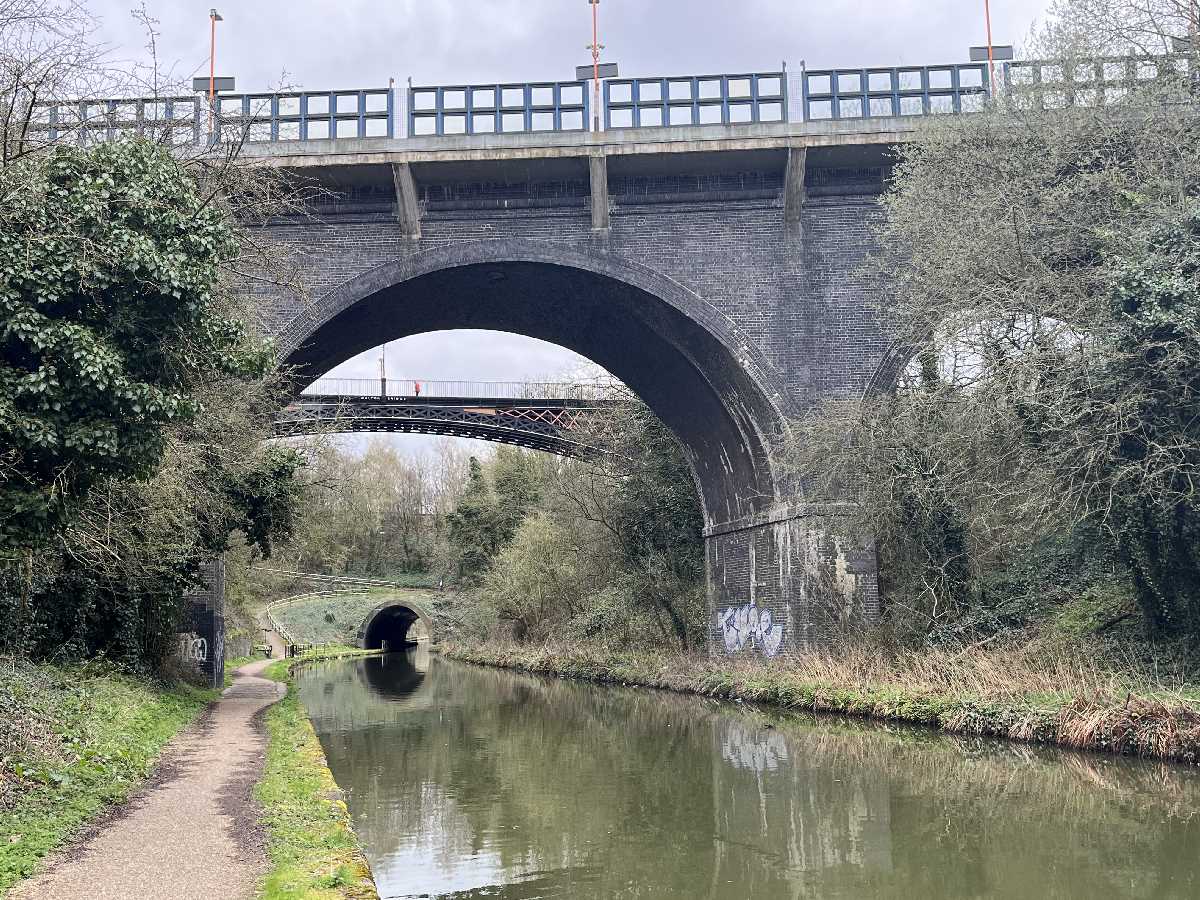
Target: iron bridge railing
564	106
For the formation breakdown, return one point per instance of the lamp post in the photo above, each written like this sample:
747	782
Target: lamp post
213	18
383	371
595	47
987	18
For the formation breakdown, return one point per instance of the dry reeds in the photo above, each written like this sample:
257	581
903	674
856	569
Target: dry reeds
1034	689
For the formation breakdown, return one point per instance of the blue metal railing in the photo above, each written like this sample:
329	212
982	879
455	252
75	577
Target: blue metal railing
88	121
307	115
695	100
287	116
557	106
895	91
498	108
1088	83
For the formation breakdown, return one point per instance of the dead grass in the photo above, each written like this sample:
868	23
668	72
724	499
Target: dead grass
1040	690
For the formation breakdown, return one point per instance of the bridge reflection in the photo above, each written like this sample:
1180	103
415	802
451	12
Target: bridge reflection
462	777
396	676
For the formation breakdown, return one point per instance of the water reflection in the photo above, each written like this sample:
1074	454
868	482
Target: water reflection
468	782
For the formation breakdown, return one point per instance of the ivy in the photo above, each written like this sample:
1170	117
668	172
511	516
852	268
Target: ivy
110	314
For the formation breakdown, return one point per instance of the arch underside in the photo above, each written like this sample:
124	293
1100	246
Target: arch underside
668	346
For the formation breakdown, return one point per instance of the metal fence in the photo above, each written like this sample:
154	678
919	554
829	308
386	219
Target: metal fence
564	106
895	91
695	100
175	119
1096	82
498	108
287	116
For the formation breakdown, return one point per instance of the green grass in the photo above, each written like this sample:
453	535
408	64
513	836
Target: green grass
74	741
314	853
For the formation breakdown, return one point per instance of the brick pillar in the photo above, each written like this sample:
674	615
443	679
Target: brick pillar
778	583
202	643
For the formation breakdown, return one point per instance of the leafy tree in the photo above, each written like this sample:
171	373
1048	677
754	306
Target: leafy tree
608	548
474	528
516	490
111	314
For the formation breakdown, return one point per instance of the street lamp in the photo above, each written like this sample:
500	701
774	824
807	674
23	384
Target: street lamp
383	371
595	47
987	18
213	17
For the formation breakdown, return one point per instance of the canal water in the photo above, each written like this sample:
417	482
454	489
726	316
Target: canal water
466	782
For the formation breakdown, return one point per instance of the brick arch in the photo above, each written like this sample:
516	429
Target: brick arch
685	358
392	616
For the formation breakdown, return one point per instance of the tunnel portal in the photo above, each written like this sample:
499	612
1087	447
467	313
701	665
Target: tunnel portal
393	626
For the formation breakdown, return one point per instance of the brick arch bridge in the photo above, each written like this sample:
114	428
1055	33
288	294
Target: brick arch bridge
716	271
386	626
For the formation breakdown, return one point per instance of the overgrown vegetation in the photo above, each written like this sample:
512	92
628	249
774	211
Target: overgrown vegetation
607	549
135	395
1042	692
1043	440
72	741
314	854
376	514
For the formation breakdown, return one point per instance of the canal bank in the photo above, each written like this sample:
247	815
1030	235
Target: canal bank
192	831
116	787
313	851
473	781
980	691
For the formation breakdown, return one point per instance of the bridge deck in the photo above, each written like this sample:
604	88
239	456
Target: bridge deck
566	426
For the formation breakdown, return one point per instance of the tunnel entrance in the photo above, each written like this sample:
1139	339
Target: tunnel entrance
394	626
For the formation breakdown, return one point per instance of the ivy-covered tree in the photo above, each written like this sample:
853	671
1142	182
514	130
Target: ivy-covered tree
111	314
474	527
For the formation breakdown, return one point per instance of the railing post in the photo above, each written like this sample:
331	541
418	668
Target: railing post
805	113
783	93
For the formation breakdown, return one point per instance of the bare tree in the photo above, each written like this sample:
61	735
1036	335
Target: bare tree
1040	254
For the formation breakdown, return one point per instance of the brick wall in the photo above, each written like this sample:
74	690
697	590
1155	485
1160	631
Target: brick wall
800	304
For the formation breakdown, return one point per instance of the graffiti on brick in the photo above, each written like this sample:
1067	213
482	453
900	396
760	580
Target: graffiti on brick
748	625
193	648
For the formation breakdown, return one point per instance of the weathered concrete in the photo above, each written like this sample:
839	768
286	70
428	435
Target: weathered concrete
192	833
408	213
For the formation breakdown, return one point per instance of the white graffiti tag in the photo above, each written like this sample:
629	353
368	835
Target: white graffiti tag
193	649
742	625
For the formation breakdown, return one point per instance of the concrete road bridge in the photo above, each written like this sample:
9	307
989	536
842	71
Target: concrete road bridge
706	246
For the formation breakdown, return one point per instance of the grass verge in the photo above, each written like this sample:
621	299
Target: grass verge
314	853
74	741
1039	693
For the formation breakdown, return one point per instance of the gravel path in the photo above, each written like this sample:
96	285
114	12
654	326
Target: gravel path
193	831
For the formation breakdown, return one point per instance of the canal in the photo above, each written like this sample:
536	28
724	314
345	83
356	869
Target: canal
466	782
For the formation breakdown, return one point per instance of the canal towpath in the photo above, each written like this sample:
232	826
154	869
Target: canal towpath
192	832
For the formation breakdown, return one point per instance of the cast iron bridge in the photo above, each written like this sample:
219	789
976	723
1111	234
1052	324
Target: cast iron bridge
565	419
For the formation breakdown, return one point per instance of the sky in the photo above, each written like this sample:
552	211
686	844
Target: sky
336	44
